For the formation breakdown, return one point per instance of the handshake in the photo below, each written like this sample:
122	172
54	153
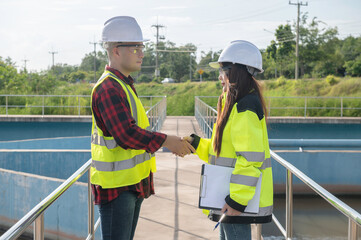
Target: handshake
179	146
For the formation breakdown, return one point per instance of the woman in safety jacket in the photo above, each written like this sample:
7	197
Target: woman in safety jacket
239	140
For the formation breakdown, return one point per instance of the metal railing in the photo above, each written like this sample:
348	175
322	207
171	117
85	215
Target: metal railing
206	118
55	104
303	106
156	113
37	213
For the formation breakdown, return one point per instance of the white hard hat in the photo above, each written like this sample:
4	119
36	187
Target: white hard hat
122	29
241	52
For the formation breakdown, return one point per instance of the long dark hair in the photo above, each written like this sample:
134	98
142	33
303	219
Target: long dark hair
241	82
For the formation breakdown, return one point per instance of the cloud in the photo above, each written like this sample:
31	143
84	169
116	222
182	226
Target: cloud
169	7
108	8
172	20
90	27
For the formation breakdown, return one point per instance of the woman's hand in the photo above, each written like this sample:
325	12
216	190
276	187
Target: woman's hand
230	211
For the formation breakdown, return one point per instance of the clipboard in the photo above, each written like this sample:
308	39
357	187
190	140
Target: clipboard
214	188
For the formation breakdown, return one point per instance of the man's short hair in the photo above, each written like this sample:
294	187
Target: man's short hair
108	46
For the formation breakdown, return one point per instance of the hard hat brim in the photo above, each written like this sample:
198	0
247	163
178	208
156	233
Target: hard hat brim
136	40
214	64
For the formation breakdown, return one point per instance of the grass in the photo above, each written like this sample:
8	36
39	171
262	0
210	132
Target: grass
180	97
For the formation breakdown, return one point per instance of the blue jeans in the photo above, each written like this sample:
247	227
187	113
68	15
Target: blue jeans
230	231
119	217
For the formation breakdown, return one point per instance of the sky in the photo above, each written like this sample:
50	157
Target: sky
30	29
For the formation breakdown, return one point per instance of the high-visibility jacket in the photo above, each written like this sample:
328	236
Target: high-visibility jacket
244	148
113	166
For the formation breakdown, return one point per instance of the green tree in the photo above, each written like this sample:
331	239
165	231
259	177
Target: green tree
210	74
87	63
7	73
312	48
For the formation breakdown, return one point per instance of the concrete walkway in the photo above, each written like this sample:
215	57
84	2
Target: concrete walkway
172	213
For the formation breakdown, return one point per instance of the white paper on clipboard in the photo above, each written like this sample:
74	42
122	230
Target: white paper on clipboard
215	187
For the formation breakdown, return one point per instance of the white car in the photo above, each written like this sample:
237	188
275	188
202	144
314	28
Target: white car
168	80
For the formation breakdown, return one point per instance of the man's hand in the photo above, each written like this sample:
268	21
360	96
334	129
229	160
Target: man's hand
230	211
178	146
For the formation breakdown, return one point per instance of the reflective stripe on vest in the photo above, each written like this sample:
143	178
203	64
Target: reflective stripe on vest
111	143
121	165
244	180
263	211
99	140
132	100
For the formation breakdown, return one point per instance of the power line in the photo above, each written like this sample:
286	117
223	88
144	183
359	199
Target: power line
299	4
269	9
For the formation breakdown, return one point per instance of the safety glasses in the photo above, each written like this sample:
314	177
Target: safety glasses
133	48
224	70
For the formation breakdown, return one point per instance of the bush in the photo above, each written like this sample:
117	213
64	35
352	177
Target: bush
332	80
281	81
144	78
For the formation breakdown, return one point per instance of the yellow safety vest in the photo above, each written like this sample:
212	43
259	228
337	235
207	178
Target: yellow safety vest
113	166
244	148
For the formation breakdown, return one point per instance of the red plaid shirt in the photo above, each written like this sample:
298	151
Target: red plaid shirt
113	116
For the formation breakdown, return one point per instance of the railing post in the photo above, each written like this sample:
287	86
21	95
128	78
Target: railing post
352	230
90	209
43	106
289	205
258	231
6	105
305	106
341	106
79	105
39	228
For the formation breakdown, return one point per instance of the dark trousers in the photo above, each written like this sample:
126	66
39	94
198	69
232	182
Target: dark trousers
119	217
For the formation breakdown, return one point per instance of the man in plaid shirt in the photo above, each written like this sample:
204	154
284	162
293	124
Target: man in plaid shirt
119	207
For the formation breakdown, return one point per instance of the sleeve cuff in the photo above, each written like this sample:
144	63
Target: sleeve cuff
196	140
233	204
156	142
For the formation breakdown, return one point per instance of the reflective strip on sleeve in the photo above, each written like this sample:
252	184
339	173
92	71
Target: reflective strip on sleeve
263	211
244	180
222	161
252	156
266	164
120	165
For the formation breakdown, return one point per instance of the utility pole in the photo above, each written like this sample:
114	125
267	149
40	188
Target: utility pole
190	66
298	32
157	26
95	59
53	53
25	60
